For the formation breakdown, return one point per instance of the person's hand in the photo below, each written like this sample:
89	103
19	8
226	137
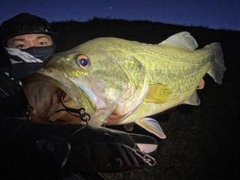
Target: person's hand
77	148
105	150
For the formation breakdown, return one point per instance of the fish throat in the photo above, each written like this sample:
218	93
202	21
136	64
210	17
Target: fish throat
80	113
76	112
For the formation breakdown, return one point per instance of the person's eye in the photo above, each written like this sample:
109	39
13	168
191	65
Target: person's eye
21	46
42	43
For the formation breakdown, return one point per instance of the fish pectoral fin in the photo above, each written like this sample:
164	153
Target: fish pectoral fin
158	93
193	99
182	39
152	126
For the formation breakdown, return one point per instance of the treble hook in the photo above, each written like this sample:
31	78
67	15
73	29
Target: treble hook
145	157
81	112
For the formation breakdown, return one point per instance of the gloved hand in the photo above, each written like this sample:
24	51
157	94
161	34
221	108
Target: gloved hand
74	148
105	150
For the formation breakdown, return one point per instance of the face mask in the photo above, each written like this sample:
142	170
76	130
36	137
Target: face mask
26	61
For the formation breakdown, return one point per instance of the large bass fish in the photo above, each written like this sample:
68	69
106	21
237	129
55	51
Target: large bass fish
116	81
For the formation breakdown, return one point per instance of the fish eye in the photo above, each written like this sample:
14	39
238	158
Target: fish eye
83	61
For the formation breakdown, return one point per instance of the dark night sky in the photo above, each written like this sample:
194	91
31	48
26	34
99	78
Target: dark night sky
217	14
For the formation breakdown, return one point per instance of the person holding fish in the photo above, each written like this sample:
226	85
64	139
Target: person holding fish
43	150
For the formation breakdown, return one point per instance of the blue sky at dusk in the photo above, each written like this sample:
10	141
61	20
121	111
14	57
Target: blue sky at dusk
217	14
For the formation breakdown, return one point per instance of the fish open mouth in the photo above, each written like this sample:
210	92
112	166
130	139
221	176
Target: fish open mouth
51	101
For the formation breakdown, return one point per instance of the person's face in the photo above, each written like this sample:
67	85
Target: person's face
29	40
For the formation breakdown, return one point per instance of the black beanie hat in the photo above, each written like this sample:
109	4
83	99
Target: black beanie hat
24	23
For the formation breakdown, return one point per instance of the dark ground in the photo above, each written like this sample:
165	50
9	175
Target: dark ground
202	142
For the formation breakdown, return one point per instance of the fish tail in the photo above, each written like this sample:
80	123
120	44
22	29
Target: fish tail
218	67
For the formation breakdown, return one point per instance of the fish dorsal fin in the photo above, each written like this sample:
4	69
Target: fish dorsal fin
193	99
158	93
182	39
151	125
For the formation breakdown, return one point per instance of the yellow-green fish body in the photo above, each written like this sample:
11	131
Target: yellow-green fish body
120	82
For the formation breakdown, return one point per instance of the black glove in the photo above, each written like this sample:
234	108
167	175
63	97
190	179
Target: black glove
105	150
70	148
